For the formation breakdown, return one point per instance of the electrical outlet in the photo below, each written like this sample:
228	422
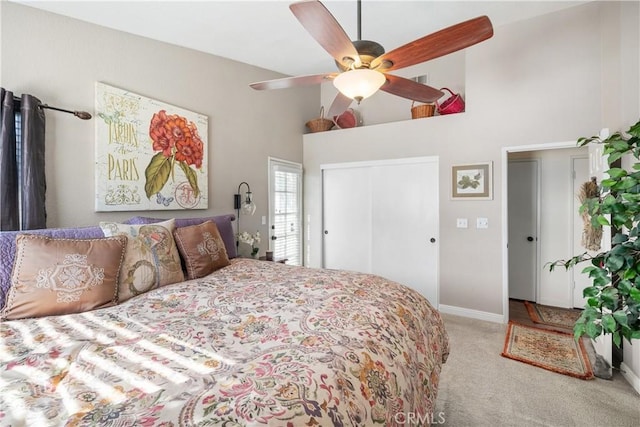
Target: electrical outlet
462	223
264	220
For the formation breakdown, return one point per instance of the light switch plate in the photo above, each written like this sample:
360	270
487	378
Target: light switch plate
462	223
482	222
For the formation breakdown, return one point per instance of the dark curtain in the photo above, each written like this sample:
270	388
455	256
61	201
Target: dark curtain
22	185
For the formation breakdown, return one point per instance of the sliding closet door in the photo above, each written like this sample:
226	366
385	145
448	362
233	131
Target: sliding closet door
347	218
382	218
405	225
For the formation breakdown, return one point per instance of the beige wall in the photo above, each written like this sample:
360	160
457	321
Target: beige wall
59	59
537	81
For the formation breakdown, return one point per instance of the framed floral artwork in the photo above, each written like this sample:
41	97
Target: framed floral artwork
472	181
149	155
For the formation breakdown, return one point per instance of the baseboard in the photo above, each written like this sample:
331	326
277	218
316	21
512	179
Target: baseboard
473	314
630	376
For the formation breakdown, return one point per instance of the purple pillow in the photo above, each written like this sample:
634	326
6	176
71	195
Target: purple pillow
223	222
8	248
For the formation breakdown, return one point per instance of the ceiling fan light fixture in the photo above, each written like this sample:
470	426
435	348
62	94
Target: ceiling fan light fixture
359	84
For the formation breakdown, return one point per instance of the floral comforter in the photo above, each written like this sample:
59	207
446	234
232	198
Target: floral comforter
255	343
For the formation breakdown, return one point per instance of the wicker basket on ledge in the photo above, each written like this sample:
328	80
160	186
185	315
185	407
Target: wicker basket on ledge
320	124
422	110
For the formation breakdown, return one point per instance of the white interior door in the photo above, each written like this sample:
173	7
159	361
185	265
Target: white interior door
347	218
579	280
405	225
523	225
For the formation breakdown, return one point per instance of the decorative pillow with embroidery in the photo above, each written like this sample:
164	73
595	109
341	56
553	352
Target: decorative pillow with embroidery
61	276
202	249
151	259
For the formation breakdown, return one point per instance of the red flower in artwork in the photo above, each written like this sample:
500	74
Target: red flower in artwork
176	141
162	140
173	133
189	150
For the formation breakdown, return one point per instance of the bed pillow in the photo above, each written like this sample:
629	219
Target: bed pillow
151	259
202	249
223	222
8	249
61	276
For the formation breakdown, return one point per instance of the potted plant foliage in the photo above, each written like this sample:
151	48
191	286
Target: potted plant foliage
613	299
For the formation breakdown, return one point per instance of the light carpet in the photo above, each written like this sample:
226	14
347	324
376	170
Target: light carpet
479	388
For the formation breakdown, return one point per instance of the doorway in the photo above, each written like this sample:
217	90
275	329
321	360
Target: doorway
547	238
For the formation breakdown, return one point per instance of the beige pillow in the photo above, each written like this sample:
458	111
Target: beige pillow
60	276
151	259
202	249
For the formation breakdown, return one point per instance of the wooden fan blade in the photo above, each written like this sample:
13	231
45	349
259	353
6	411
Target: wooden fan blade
435	45
288	82
410	89
339	105
323	27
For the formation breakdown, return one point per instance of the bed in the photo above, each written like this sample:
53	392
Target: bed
253	343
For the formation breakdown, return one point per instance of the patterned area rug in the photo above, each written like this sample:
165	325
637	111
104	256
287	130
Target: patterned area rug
552	350
553	316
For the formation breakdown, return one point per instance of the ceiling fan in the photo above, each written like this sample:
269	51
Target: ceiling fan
364	66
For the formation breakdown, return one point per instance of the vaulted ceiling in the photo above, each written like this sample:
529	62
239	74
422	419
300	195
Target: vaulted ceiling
266	34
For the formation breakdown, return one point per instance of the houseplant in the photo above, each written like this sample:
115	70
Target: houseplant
251	240
613	299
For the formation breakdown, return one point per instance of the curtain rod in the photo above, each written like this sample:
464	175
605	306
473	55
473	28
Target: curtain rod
79	114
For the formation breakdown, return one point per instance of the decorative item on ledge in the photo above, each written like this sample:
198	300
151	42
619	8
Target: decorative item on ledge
348	119
422	110
453	104
320	124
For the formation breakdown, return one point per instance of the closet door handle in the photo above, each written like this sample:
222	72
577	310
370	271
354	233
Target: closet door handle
529	239
432	240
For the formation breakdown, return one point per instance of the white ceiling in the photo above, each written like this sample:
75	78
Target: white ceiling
266	34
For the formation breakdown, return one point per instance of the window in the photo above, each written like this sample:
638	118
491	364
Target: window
285	210
18	117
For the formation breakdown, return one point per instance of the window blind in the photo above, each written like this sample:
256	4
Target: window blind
286	215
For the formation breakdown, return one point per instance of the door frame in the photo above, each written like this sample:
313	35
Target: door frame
574	218
505	214
294	166
536	282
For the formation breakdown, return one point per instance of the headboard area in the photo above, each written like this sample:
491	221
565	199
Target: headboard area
8	240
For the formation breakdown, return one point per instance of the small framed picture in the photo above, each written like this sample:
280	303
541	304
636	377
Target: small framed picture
472	182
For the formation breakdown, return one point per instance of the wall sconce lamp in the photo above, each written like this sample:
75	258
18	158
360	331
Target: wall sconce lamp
244	207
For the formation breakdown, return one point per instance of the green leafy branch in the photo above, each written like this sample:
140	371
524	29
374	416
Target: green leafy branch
613	299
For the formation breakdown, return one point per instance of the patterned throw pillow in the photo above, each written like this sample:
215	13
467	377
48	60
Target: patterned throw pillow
201	248
151	259
61	276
